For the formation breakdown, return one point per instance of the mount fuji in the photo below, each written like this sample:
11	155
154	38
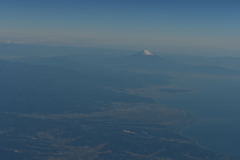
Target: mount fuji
145	55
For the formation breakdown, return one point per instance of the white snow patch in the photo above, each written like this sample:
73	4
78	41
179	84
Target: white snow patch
145	52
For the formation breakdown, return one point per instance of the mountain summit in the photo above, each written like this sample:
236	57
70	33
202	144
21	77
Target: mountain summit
142	60
144	52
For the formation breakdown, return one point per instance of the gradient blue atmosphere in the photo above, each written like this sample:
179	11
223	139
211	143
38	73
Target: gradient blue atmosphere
210	28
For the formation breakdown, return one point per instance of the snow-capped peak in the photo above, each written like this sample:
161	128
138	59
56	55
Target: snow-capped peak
145	52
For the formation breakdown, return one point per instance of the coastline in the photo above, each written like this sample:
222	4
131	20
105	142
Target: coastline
197	143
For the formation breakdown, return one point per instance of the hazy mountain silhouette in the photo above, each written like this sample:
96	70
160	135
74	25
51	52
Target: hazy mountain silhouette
144	56
45	89
146	61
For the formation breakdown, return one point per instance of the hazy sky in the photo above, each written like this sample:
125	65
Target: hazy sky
208	27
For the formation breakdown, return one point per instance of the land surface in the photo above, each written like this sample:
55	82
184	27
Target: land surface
121	131
73	108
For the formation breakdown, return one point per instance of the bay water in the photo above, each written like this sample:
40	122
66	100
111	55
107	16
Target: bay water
215	102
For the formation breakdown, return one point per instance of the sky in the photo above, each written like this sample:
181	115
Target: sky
194	27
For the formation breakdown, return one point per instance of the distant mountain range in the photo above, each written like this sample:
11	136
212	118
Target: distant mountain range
98	60
146	61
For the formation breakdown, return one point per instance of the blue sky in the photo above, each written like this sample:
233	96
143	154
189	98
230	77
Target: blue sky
198	27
